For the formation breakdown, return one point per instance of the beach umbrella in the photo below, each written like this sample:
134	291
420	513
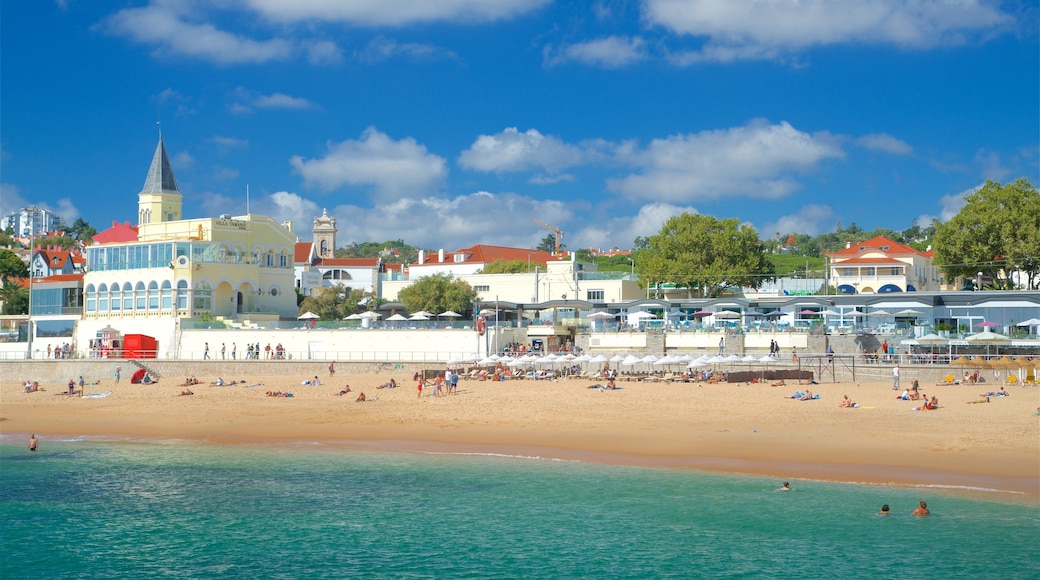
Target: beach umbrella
418	316
750	358
702	313
908	312
600	314
616	358
931	338
808	312
986	324
775	314
768	360
600	359
879	314
354	316
423	313
308	316
631	360
396	318
987	336
371	315
727	315
1030	322
447	314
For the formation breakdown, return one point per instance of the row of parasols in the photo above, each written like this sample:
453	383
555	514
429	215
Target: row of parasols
667	361
369	315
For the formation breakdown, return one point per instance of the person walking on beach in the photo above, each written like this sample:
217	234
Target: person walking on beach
332	368
34	444
895	378
722	345
118	370
234	351
205	352
419	387
223	351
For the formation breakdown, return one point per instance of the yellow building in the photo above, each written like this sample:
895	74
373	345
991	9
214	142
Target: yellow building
155	278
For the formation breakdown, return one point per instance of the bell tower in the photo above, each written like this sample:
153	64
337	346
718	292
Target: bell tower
160	200
324	236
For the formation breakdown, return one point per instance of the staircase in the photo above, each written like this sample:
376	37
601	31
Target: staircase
150	372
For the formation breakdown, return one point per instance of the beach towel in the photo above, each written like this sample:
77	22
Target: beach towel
97	395
797	395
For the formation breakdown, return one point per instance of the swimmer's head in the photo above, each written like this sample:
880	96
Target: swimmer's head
884	508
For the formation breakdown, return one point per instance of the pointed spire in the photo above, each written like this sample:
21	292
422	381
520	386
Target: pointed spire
160	175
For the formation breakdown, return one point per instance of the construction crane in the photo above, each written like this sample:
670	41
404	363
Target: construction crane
559	236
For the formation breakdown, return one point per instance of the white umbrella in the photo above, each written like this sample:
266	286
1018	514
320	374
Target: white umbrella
446	314
880	313
354	316
732	358
909	312
631	360
423	313
987	336
418	316
767	360
371	315
600	314
599	359
396	318
727	315
649	358
750	358
1030	322
931	338
308	316
617	358
696	365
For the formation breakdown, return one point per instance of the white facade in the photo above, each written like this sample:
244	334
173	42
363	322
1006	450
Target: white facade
31	221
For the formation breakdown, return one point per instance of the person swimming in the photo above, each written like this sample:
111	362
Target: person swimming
884	510
785	487
922	510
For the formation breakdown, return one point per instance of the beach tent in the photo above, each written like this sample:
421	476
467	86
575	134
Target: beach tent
138	376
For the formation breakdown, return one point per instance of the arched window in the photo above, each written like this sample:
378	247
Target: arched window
182	294
203	299
153	295
91	298
166	295
140	300
270	259
103	297
113	294
128	296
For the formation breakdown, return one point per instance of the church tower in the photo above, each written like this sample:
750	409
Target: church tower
160	200
325	236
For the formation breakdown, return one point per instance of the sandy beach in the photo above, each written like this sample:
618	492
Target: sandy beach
743	428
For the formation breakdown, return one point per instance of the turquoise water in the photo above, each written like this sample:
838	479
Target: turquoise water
85	509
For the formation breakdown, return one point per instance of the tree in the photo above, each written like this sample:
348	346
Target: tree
702	252
332	303
548	244
504	267
11	266
437	293
997	232
81	230
14	296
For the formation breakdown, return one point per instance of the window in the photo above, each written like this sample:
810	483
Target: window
848	271
139	296
113	294
128	296
203	299
166	295
182	294
594	295
482	288
460	257
153	295
91	298
283	261
102	298
868	271
274	292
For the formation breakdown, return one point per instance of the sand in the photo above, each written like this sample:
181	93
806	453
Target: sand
723	427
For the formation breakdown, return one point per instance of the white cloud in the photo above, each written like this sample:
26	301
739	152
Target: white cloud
182	103
811	219
951	204
990	165
750	161
393	12
743	29
885	143
182	160
11	201
226	143
511	150
392	168
382	48
247	102
225	173
168	26
285	206
323	52
609	52
622	230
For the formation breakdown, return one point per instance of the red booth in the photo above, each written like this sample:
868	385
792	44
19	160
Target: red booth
139	346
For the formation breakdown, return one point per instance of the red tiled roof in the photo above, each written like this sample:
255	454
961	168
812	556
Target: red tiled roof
59	278
875	244
119	232
302	253
482	254
49	256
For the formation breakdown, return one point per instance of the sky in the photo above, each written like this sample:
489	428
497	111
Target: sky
460	122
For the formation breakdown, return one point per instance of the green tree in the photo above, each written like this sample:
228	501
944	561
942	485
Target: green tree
504	267
704	253
332	303
81	230
63	242
437	293
548	244
14	296
997	232
11	266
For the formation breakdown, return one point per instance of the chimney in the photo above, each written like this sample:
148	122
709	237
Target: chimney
440	255
848	245
422	255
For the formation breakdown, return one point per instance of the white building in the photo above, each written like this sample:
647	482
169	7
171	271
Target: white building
31	221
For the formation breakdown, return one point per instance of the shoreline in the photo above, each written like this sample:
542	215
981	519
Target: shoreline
728	428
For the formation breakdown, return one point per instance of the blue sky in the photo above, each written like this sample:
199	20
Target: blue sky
458	122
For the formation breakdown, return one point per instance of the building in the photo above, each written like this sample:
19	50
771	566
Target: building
161	275
31	221
53	260
316	264
880	265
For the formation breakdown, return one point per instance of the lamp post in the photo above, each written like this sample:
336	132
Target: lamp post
632	275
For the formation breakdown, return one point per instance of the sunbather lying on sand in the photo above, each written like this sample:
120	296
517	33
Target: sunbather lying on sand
390	385
185	393
278	394
984	399
343	391
779	383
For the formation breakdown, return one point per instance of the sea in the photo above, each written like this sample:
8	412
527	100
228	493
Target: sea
84	508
